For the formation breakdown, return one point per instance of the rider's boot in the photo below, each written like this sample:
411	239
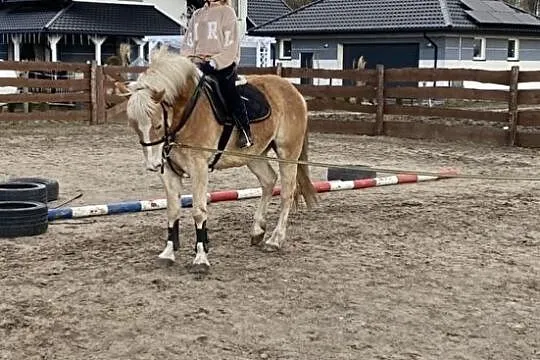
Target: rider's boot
245	139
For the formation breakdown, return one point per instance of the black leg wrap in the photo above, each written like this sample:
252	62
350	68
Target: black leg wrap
174	235
202	237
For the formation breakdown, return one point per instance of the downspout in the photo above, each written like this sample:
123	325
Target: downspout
435	55
435	50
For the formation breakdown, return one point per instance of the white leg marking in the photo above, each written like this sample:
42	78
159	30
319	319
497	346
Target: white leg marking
201	258
168	252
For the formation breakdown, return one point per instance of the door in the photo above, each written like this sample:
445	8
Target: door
391	55
306	61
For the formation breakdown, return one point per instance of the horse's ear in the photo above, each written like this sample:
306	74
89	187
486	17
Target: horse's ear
122	88
157	95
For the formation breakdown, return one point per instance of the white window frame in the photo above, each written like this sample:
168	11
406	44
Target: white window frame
482	55
282	48
516	50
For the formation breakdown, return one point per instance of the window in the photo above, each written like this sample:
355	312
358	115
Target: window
285	49
479	49
513	49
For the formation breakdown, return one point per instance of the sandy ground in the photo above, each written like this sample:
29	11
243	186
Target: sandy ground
438	270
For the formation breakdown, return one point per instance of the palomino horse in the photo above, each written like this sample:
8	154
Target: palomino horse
171	117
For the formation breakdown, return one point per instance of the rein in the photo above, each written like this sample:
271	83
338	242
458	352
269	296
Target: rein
168	139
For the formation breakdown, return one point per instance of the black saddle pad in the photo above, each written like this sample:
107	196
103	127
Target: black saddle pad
257	106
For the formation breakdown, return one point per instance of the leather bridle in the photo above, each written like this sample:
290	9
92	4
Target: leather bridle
169	136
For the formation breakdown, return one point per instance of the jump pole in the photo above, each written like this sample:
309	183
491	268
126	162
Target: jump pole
229	195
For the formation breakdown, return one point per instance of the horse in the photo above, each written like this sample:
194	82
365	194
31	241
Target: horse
172	110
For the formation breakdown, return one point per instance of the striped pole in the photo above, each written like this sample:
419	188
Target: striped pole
229	195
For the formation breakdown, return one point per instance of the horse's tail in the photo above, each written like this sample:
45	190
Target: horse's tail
304	186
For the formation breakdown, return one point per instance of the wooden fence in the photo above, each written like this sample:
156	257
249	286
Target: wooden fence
46	91
509	114
394	102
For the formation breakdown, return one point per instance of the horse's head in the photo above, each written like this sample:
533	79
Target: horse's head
146	115
163	85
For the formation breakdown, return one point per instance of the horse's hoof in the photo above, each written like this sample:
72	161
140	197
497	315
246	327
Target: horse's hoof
200	268
164	262
271	246
257	239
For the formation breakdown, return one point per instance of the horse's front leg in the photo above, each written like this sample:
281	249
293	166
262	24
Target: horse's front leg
173	186
199	180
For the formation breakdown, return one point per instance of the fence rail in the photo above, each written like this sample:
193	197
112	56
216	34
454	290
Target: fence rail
84	92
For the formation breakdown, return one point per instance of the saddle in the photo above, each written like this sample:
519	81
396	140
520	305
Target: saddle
257	106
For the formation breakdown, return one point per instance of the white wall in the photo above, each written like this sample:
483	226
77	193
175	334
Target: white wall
458	52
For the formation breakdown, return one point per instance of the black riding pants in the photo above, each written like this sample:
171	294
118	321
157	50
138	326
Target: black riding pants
227	83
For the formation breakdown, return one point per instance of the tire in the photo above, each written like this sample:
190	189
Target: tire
349	174
23	191
51	185
22	218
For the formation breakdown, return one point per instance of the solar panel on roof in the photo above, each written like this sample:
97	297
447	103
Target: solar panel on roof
527	19
483	17
506	17
474	4
498	6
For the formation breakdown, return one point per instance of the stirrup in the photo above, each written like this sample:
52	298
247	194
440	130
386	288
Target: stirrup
244	140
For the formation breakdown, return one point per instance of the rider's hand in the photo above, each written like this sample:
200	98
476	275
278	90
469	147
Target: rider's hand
206	67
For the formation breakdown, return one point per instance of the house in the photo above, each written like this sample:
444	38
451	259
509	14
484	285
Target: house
255	50
260	12
77	30
83	30
478	34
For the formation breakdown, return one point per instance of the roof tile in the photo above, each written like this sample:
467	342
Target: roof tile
111	19
87	18
262	11
334	16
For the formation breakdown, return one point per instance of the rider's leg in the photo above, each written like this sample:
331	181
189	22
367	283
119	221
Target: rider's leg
227	78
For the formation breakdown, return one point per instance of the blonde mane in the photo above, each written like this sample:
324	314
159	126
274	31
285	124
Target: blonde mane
167	71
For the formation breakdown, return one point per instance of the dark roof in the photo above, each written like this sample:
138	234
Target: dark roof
340	16
78	17
262	11
25	17
114	19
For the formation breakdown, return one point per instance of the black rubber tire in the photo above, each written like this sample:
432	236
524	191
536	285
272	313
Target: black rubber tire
51	185
23	218
23	191
349	174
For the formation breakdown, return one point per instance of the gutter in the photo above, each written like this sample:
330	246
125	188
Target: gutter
55	17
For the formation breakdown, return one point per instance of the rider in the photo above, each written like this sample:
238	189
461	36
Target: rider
213	34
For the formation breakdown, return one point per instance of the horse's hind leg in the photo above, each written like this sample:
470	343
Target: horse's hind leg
267	177
173	186
287	173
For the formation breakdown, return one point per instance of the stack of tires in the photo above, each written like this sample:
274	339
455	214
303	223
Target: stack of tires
23	206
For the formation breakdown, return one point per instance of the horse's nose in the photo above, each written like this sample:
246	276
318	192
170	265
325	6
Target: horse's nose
152	167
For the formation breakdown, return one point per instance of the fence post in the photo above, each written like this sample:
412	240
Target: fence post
93	94
279	69
513	112
379	119
100	95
